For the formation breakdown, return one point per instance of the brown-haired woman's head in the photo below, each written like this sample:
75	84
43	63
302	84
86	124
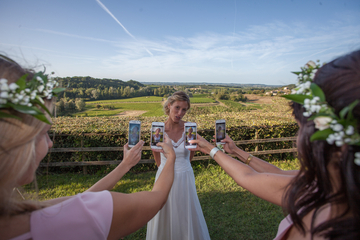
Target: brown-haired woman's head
19	143
328	173
176	96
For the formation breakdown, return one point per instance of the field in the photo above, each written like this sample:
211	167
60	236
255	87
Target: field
145	106
230	211
114	117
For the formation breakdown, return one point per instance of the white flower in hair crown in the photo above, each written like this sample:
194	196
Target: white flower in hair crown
338	130
25	97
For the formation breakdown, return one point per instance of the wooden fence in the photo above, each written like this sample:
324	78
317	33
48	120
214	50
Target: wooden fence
196	158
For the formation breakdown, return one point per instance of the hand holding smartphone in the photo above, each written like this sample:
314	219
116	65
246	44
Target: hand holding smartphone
134	132
157	134
220	131
190	129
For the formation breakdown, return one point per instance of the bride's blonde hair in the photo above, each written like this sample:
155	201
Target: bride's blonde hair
176	96
17	147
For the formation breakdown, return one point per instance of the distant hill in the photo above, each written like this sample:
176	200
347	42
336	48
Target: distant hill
247	85
89	82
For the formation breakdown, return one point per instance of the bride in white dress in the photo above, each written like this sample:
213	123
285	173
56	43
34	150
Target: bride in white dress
181	218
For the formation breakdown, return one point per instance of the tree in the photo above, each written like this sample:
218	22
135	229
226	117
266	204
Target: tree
60	105
95	93
80	104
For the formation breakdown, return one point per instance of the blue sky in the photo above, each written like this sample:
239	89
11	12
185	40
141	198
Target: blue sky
214	41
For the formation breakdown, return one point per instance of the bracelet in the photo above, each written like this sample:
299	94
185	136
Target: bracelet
248	159
213	152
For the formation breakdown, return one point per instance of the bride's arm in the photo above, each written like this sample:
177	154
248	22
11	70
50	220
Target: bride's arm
191	155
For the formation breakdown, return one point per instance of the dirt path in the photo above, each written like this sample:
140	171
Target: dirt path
253	98
131	113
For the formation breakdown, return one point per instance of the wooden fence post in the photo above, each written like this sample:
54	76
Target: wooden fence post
256	137
83	154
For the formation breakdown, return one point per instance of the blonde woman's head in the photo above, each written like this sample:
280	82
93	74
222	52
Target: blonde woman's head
177	96
17	144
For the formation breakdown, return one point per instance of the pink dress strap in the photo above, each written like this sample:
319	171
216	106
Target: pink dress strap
284	226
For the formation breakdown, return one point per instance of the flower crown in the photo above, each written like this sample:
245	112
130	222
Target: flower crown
24	96
338	130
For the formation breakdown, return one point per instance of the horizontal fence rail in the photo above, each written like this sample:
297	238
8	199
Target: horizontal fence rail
196	158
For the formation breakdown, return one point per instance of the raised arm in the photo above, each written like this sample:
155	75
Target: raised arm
132	211
268	186
256	163
131	158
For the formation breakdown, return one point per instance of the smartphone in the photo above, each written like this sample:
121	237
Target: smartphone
190	134
220	131
157	134
134	132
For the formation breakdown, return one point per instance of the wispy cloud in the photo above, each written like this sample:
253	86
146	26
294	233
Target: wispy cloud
259	51
112	15
54	53
271	48
73	35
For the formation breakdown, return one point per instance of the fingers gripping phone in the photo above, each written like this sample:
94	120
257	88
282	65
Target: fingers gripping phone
190	129
134	132
157	134
220	131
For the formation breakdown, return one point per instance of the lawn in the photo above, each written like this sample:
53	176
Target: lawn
230	211
201	100
137	99
111	109
152	105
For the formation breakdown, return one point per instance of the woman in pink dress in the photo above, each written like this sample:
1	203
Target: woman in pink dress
25	98
323	197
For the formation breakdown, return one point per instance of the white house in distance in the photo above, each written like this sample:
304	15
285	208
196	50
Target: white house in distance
285	90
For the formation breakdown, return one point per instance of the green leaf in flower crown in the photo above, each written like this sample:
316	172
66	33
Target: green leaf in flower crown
299	98
4	105
42	75
25	109
42	118
21	82
348	110
57	90
6	115
321	135
297	73
316	91
36	101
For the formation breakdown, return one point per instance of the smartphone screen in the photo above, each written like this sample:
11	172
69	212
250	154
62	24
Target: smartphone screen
134	133
157	133
220	131
190	134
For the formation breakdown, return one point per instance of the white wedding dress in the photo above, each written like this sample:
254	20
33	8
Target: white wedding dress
181	218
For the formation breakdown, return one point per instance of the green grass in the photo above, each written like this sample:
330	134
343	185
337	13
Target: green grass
152	109
204	95
137	99
148	104
230	211
240	107
201	100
